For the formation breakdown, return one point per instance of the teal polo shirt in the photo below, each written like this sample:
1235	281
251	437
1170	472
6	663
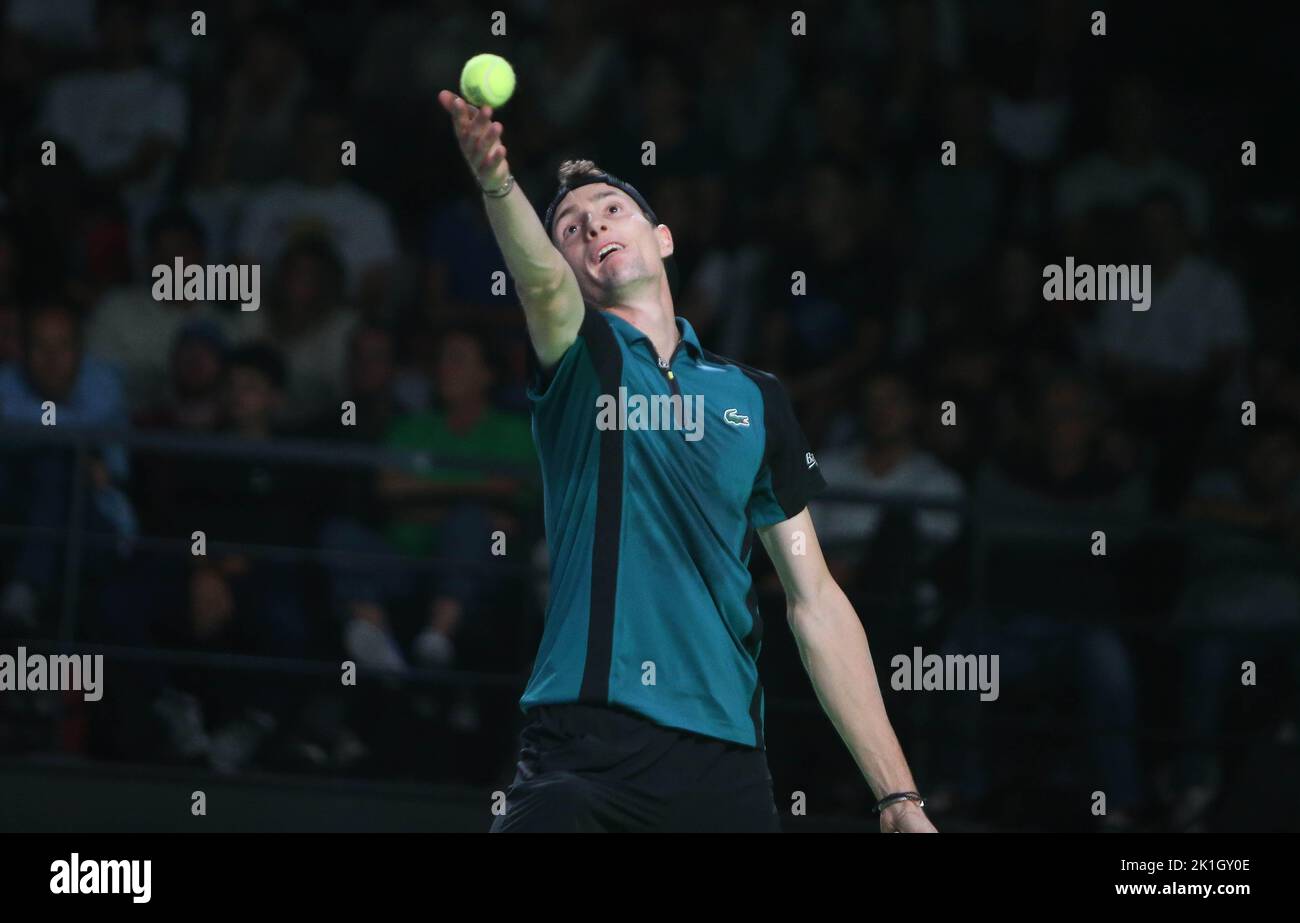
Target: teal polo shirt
651	506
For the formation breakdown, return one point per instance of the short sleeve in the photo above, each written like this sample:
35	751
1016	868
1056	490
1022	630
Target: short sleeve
595	340
789	476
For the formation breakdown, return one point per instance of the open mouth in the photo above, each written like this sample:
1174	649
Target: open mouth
606	250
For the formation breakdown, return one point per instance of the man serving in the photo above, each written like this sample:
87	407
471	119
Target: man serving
645	706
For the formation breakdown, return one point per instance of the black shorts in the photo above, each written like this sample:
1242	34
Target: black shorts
601	769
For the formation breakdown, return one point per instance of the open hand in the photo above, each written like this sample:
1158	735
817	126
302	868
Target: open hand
479	138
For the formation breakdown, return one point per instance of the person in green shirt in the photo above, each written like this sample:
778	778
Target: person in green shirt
479	478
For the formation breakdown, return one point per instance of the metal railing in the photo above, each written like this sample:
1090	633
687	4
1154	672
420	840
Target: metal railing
983	532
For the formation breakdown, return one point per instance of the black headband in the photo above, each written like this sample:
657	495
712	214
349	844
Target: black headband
586	180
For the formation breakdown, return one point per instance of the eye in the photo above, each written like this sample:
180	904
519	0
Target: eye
613	207
569	228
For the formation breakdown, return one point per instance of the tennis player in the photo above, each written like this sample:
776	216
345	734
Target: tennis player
645	707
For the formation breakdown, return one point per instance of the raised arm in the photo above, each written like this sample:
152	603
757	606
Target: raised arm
547	287
834	651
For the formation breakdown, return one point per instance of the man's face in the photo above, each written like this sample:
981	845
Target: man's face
53	354
196	368
610	245
889	411
302	281
177	241
1165	231
463	374
371	369
251	400
1067	418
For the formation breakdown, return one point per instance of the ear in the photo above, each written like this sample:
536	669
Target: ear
665	240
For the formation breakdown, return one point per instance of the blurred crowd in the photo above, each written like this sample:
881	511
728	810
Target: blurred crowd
774	155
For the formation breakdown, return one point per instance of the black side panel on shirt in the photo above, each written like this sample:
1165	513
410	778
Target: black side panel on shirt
602	344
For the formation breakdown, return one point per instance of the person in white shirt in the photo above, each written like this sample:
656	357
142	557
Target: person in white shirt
123	119
305	317
323	202
134	331
1196	324
1131	166
1172	365
887	462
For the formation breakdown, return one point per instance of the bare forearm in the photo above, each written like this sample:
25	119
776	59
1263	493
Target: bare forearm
837	656
533	262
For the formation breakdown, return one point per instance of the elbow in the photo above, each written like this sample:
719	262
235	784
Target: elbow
819	610
543	286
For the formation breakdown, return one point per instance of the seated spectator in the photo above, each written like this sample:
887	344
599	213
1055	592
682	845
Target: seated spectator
305	318
957	212
719	288
1050	600
322	202
447	513
827	337
1171	363
236	600
250	138
135	331
58	385
370	373
1242	601
888	461
1133	164
191	400
123	118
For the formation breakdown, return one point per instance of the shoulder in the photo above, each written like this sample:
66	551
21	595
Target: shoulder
100	378
754	374
936	472
10	378
769	386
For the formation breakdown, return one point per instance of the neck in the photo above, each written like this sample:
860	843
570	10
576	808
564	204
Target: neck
464	415
882	458
1064	465
653	317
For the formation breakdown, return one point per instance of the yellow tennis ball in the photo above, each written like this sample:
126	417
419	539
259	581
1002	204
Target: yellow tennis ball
487	80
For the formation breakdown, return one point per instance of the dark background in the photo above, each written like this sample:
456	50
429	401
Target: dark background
775	154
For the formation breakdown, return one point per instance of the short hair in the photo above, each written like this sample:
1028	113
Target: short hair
574	169
574	173
50	304
175	216
263	358
892	371
316	246
1166	194
482	337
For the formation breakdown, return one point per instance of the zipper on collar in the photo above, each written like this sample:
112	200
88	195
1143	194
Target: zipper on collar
665	366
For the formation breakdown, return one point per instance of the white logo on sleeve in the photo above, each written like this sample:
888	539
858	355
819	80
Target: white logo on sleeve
808	457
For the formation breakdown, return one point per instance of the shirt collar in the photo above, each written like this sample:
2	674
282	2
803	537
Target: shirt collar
632	334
